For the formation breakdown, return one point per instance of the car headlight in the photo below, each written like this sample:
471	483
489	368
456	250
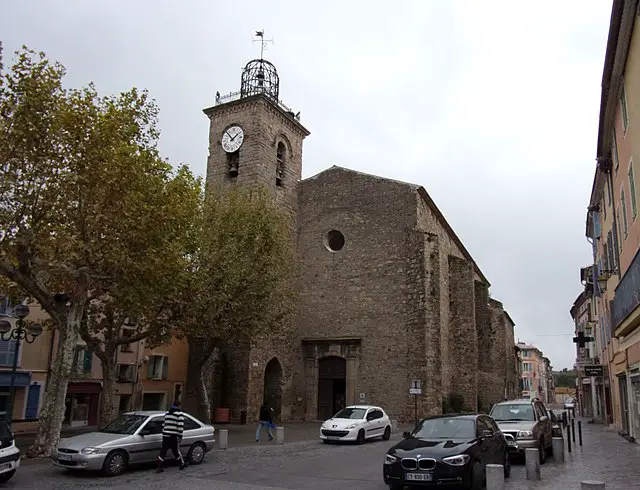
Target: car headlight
525	434
389	459
459	460
352	426
90	450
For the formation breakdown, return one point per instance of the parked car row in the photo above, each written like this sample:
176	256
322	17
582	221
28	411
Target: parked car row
450	449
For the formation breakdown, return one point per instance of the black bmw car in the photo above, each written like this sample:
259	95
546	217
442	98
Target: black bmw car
447	450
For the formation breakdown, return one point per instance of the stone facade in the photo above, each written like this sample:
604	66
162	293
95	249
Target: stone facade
387	292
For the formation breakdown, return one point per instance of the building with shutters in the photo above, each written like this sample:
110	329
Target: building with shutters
147	378
613	227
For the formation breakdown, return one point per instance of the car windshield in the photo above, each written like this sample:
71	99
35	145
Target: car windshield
445	428
506	412
124	424
350	413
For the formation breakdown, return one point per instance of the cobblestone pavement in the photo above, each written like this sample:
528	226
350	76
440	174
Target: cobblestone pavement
311	465
604	456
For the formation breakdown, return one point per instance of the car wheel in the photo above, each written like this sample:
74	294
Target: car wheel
507	465
387	433
326	441
395	486
196	453
5	477
360	438
477	478
542	451
115	463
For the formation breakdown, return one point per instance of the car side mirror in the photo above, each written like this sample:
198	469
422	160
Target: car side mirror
406	434
486	434
144	432
544	418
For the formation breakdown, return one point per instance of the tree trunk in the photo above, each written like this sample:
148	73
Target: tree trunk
53	407
108	409
199	353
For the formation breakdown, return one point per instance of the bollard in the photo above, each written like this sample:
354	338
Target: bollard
532	462
573	431
223	438
591	485
279	435
568	438
580	432
558	449
394	425
495	477
564	418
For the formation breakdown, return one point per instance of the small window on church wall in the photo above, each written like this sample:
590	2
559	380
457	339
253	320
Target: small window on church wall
280	155
334	241
233	159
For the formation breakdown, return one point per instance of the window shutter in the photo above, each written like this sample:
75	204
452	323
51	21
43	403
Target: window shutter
165	367
150	367
88	360
33	400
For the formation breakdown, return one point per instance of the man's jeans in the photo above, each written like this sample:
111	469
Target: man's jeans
266	425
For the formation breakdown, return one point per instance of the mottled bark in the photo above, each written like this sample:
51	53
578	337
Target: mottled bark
197	400
108	409
53	407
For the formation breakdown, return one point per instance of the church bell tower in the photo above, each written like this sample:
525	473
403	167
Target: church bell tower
254	139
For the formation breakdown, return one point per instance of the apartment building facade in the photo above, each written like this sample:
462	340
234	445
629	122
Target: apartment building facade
612	224
149	378
590	390
533	372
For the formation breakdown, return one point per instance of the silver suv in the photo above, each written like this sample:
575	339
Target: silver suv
525	424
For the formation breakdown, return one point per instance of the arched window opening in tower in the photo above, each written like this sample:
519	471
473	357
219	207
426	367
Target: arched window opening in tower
233	160
280	157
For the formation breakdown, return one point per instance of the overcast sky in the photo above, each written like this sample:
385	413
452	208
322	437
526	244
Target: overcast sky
492	106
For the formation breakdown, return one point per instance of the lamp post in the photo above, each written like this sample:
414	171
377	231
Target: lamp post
19	334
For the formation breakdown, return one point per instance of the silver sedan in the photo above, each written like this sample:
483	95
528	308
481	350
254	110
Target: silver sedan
132	438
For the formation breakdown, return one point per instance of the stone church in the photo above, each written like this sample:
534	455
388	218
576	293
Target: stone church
388	293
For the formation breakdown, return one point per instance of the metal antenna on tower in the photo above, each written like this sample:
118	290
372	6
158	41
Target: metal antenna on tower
263	42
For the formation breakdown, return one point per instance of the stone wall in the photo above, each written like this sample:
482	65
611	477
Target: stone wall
463	341
372	288
511	372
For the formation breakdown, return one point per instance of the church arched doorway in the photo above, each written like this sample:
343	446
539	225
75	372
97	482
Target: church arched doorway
332	386
273	386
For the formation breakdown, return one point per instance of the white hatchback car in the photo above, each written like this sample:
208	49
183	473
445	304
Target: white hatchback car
9	453
356	423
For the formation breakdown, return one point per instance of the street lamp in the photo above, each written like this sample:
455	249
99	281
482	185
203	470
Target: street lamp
20	333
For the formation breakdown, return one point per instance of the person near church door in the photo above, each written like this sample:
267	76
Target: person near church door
265	421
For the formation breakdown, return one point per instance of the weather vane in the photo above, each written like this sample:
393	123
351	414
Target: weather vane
263	42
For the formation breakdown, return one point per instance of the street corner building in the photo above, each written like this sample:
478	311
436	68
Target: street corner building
387	292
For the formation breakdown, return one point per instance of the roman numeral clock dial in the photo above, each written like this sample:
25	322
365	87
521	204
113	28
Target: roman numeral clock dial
232	139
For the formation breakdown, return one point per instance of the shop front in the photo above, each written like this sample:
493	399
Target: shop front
82	404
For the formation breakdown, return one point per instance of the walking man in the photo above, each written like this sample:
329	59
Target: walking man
265	421
172	428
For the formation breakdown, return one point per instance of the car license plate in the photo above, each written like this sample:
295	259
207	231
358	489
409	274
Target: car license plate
5	466
64	457
511	443
419	477
333	438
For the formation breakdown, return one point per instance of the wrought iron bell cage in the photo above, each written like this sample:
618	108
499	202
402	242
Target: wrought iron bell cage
260	77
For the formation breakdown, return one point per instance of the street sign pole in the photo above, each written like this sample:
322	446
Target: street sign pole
416	391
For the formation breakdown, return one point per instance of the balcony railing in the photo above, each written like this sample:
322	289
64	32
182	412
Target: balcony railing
627	294
230	97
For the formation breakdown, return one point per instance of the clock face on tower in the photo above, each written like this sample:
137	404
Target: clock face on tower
232	139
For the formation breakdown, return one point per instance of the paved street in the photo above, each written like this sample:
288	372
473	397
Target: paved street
604	456
311	465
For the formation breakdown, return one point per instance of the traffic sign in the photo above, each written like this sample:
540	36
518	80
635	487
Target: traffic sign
415	391
594	371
